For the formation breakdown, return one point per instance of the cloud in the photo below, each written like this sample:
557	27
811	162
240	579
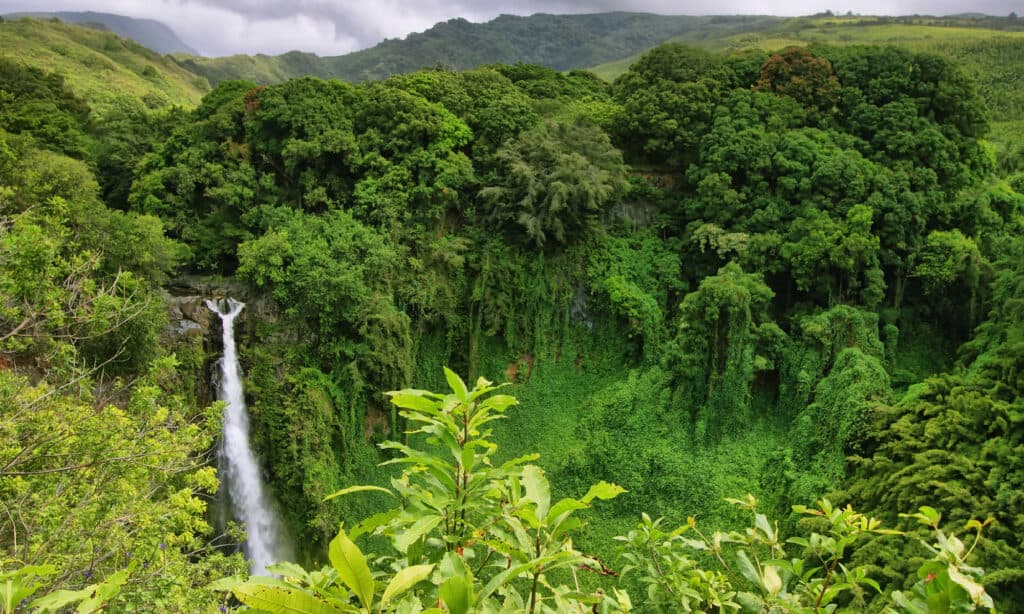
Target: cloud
334	27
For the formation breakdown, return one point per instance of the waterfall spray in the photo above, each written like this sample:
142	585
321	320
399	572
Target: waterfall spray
249	501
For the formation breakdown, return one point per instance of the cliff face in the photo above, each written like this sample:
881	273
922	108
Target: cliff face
188	317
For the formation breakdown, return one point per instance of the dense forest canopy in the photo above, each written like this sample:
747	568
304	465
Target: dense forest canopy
794	274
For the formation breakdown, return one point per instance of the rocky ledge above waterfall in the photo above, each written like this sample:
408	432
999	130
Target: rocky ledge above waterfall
187	316
187	312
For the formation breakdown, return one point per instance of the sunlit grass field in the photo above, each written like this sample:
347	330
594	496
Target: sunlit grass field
99	66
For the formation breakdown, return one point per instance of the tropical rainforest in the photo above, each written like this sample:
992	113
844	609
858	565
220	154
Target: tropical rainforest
755	320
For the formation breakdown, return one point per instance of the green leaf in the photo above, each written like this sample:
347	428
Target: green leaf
870	582
351	565
420	528
361	488
500	402
103	592
538	490
372	523
912	607
452	564
467	457
833	591
696	544
289	570
34	570
772	581
225	584
414	401
457	385
59	600
975	524
761	522
750	601
506	575
604	491
13	593
405	580
563	506
977	592
482	386
747	569
284	600
569	524
457	594
929	515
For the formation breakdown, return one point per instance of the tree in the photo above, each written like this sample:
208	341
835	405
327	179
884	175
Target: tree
725	335
668	98
668	567
199	181
90	491
558	180
414	169
841	256
335	275
797	73
39	104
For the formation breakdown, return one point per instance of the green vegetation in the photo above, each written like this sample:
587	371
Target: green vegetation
989	49
103	470
796	275
471	536
100	67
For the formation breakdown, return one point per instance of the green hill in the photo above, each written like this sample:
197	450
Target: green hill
562	42
99	66
990	49
260	68
149	33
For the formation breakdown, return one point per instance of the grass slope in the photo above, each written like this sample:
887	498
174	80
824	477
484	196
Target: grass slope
260	68
100	67
989	49
149	33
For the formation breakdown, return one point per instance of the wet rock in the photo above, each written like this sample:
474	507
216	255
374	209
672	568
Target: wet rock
197	288
187	316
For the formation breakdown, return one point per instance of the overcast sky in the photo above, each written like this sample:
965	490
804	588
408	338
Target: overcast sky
334	27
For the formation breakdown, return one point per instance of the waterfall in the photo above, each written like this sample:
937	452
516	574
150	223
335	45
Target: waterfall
240	471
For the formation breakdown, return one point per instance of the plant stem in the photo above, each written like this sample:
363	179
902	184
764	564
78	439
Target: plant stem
536	575
824	587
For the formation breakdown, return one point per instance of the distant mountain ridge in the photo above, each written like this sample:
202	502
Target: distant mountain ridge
102	67
561	42
149	33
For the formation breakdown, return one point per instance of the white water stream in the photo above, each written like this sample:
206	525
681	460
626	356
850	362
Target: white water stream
250	504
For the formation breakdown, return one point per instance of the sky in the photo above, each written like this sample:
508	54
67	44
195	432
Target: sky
335	27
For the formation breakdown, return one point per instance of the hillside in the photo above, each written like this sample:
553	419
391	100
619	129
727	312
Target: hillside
99	66
149	33
562	42
990	49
